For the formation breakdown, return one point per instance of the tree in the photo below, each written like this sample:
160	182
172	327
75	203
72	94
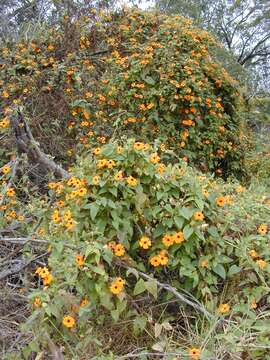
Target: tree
242	26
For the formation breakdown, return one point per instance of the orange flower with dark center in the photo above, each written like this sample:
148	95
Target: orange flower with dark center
145	242
194	353
68	321
178	237
119	250
168	240
261	263
80	260
262	229
154	158
155	261
132	181
10	192
221	201
224	308
198	216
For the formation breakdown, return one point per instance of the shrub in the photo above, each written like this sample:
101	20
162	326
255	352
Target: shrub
123	221
136	73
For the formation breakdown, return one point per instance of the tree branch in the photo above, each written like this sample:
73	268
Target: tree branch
27	144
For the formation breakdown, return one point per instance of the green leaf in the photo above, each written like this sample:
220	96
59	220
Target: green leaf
139	324
179	222
93	211
234	269
139	287
151	286
219	270
186	212
188	231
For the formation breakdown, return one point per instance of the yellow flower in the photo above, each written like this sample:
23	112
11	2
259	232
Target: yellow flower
220	201
96	180
81	192
37	302
138	146
145	242
161	168
102	163
70	224
132	181
84	302
110	164
10	192
47	279
168	240
205	192
254	304
224	308
119	250
163	259
178	237
154	158
262	229
261	263
155	261
198	216
240	189
253	253
120	281
118	176
55	216
68	321
5	169
80	260
116	287
204	263
194	353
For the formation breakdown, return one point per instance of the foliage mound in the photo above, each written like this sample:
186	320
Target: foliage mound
143	74
124	226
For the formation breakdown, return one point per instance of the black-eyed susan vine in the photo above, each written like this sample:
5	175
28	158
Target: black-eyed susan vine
126	73
176	224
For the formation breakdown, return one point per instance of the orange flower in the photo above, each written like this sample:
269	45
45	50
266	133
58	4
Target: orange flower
178	237
204	263
253	253
47	279
119	250
254	304
84	302
194	353
262	229
221	201
163	259
10	192
145	242
97	151
96	180
132	181
80	260
138	146
154	158
261	263
117	286
198	216
155	261
68	321
168	240
224	308
118	176
37	302
5	169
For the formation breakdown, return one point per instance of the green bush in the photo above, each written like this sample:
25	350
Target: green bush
124	214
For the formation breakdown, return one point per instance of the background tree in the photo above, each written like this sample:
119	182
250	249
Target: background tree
242	26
